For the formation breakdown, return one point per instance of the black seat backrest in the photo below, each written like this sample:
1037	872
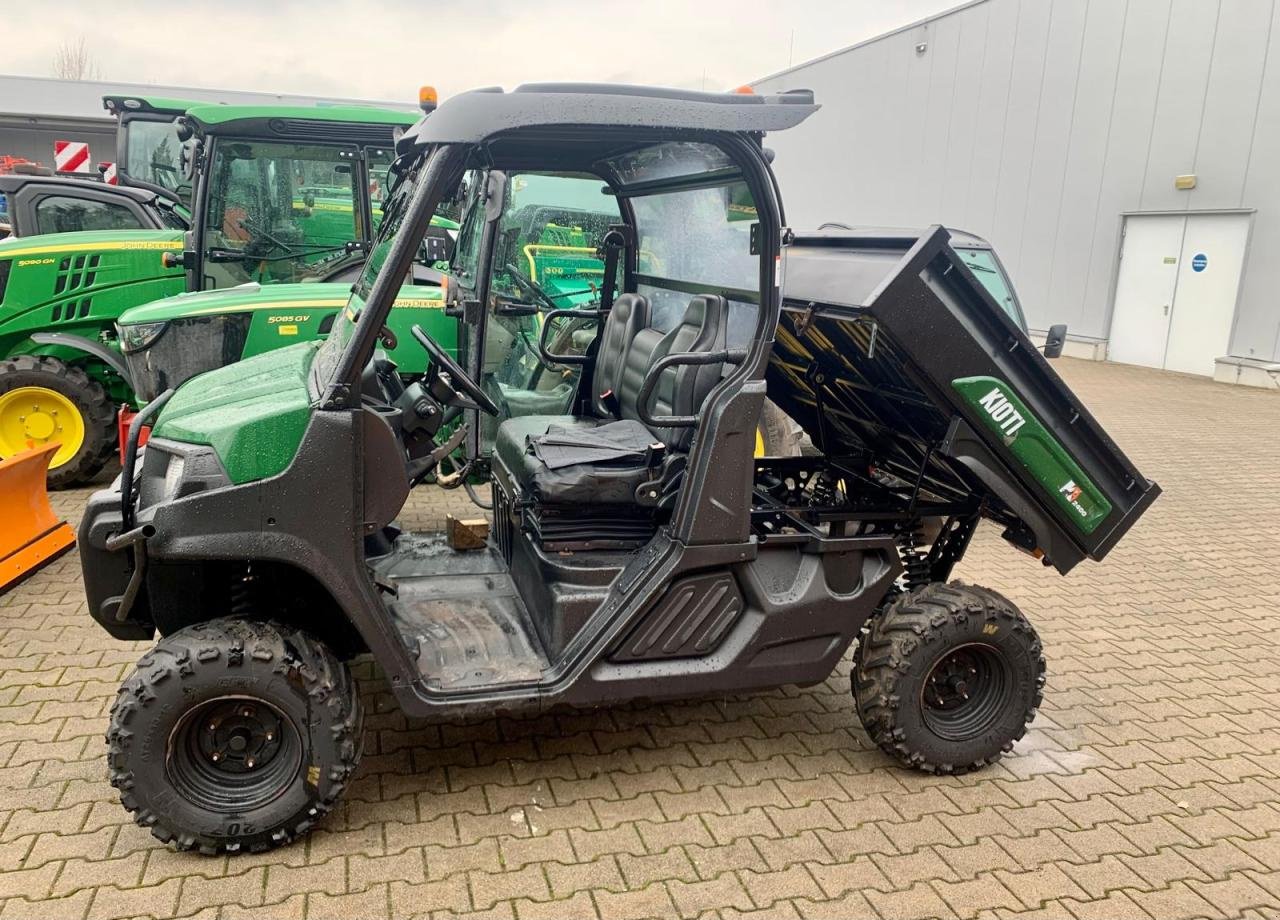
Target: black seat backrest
629	315
682	389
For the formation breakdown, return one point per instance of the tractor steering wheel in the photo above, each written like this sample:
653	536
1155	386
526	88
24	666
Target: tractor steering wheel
530	287
459	378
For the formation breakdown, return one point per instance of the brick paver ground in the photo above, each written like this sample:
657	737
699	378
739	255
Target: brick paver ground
1149	785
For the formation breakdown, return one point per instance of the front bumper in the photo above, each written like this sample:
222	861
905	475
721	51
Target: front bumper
107	572
167	472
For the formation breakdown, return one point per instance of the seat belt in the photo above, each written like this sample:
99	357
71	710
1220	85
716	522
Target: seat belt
610	249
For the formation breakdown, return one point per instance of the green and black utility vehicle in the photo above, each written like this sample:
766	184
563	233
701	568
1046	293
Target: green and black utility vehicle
278	194
638	548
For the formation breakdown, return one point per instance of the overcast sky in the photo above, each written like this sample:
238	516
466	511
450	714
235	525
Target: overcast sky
387	48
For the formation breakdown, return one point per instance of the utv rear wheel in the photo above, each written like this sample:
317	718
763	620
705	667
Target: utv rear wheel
947	678
234	735
43	401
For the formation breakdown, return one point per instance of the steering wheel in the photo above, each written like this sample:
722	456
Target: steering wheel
460	379
529	287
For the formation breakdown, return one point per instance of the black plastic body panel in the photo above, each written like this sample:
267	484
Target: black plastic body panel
894	320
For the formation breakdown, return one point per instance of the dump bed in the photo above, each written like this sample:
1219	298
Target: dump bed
890	353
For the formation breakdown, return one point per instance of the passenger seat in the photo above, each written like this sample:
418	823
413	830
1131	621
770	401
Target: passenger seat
628	350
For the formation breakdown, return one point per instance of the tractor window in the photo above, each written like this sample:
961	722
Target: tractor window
278	212
154	152
63	214
379	165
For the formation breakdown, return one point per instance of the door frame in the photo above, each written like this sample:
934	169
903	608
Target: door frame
1109	316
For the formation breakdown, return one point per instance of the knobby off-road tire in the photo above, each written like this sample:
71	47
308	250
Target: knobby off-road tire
90	400
234	735
779	436
947	678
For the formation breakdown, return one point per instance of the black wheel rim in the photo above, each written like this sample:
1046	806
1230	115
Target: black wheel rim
966	692
233	754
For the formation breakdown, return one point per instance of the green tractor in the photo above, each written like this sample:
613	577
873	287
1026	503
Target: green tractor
279	196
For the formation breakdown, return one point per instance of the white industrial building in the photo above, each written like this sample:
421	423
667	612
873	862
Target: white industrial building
1123	156
36	111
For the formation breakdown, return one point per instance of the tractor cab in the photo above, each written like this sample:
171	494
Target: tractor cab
286	194
632	241
150	144
275	194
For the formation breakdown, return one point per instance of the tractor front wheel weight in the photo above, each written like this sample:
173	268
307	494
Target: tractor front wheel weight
234	735
947	678
46	401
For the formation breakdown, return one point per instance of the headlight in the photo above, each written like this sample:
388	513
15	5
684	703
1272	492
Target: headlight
139	336
173	476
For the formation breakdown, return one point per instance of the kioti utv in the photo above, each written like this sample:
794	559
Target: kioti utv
638	549
279	197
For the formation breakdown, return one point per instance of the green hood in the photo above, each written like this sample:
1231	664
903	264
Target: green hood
50	245
252	413
251	296
315	295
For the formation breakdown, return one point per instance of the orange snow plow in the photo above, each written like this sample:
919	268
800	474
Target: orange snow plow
30	533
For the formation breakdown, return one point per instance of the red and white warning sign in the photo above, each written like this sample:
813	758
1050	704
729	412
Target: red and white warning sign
108	171
71	156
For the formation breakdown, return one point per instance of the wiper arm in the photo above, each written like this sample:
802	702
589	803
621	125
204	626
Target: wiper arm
239	255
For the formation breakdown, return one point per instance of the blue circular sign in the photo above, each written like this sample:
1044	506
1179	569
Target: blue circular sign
1199	262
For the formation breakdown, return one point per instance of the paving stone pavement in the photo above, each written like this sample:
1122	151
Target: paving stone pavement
1148	787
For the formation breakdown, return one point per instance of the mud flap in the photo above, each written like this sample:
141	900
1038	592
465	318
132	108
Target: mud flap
32	534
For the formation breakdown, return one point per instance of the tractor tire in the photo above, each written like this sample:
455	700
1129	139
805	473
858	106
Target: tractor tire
234	735
948	677
777	435
28	382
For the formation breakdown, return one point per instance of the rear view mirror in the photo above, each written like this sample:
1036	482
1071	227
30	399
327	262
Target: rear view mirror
1054	340
436	246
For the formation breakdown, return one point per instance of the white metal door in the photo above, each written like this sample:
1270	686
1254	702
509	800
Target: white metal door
1204	306
1145	289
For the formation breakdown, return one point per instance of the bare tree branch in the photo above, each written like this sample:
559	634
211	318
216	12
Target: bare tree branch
72	61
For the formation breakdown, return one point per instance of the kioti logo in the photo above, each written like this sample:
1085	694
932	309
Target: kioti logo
1007	418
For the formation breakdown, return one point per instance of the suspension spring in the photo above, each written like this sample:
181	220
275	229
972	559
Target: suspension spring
916	570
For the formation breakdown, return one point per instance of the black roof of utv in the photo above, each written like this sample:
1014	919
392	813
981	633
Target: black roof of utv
473	116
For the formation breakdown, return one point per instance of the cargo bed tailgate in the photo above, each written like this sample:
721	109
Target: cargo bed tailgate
890	351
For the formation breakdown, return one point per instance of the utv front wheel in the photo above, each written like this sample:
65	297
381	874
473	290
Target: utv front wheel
234	735
45	401
947	678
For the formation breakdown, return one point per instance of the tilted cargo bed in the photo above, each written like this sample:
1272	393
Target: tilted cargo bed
891	353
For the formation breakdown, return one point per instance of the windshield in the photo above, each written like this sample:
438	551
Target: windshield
987	269
278	212
154	153
394	209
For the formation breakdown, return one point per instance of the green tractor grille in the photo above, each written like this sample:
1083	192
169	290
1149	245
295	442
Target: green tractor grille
75	273
71	310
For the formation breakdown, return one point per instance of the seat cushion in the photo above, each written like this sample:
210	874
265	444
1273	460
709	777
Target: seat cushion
609	482
592	485
513	435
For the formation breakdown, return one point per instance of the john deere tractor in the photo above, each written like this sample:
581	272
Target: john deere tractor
276	194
